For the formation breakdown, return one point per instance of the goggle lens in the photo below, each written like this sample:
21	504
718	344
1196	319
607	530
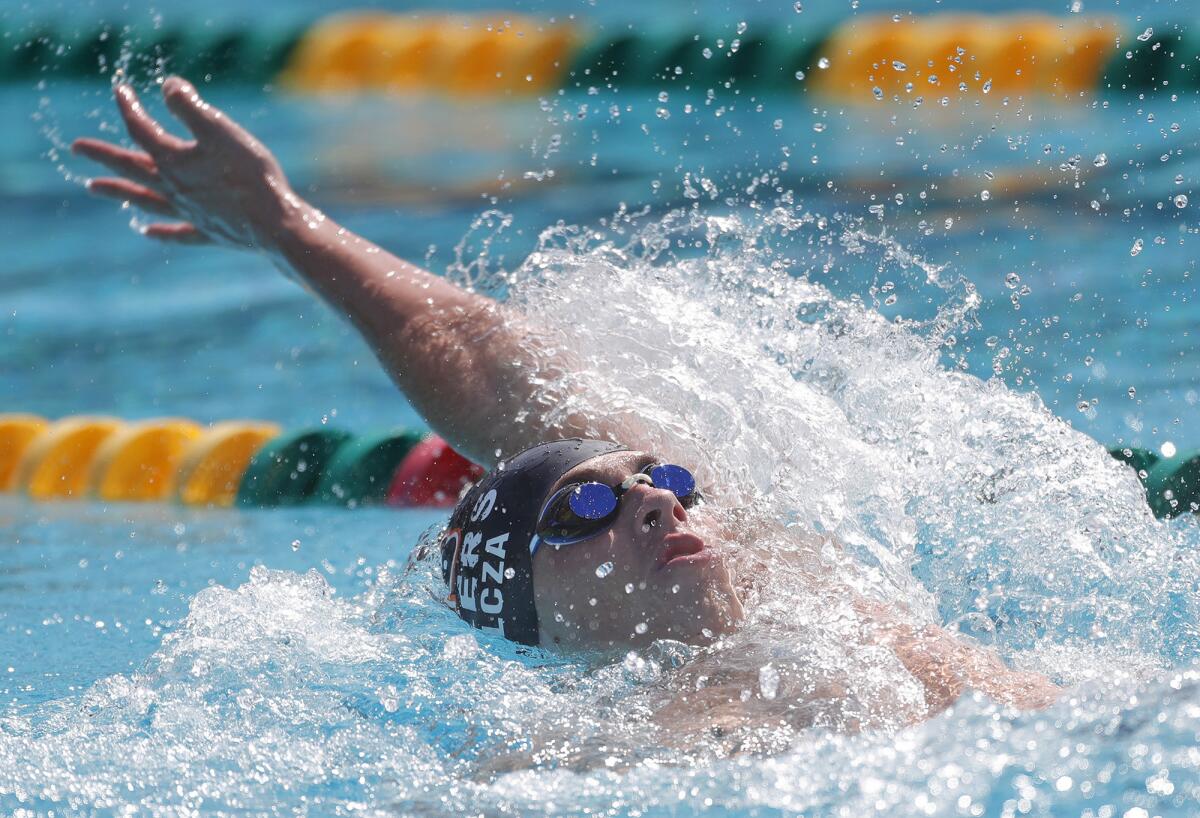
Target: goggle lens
676	479
592	501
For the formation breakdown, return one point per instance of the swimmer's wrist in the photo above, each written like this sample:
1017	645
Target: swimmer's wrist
282	220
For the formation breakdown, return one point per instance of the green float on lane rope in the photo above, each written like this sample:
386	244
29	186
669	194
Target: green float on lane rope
361	469
287	470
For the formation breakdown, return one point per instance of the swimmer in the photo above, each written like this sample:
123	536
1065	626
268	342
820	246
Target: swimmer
546	549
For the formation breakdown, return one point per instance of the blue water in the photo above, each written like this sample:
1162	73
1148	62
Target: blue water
283	662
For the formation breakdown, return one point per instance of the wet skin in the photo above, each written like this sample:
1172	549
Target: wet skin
678	580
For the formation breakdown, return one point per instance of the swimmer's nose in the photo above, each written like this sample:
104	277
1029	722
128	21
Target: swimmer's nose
657	506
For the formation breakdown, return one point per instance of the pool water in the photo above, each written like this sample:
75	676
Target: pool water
817	303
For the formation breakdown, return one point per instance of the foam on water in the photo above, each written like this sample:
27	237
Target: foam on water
735	346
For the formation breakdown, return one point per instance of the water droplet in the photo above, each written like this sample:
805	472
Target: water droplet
741	27
604	569
662	113
1181	201
1136	248
675	588
799	75
798	7
985	195
1076	6
823	63
878	92
706	53
777	124
768	681
1146	35
1101	160
1179	179
949	222
1083	406
1167	449
641	627
899	66
987	87
509	573
629	587
1012	280
818	127
389	697
295	545
1132	392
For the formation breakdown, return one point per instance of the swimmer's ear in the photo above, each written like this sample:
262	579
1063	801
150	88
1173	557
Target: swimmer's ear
206	122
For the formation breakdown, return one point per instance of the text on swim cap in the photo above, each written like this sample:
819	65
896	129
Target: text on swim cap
491	596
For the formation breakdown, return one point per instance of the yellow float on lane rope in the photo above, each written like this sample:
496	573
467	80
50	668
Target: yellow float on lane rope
213	464
464	55
139	462
965	55
16	433
57	463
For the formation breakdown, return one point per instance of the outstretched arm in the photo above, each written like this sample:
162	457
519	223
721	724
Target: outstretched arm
947	665
463	360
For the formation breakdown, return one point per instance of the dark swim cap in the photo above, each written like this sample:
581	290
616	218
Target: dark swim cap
485	550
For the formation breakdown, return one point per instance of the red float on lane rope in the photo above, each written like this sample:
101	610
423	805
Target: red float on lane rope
431	475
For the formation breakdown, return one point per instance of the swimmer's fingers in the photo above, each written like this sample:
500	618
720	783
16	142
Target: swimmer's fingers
176	233
124	190
206	122
134	165
144	129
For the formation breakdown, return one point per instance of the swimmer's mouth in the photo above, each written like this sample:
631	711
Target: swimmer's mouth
682	546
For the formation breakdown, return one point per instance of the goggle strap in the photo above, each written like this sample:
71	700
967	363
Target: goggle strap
452	598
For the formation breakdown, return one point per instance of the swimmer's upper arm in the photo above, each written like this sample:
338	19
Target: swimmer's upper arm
469	365
477	374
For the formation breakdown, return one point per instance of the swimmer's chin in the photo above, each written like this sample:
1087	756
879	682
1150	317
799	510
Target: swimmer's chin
725	616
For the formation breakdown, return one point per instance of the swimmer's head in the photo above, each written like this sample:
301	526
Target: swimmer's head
639	572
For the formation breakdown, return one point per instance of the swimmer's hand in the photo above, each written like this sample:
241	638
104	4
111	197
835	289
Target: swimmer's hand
221	187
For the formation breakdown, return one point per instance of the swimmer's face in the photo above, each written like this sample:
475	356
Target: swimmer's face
668	580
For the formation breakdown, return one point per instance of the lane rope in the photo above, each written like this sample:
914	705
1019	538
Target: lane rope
487	55
247	463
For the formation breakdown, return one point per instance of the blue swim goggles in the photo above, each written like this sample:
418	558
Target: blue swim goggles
582	510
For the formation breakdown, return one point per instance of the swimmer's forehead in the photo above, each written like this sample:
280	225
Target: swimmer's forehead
607	468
